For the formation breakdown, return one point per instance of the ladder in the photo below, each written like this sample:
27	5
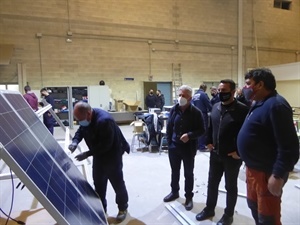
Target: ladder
176	80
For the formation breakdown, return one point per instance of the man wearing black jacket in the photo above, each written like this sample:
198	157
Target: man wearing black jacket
185	125
226	120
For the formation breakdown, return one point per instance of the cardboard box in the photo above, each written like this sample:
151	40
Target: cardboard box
131	106
138	126
118	105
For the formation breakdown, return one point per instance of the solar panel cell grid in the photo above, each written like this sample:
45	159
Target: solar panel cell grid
44	166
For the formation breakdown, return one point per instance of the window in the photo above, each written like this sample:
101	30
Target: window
11	87
283	4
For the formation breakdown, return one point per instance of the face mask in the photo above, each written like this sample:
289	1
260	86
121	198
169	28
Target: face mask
182	101
224	96
213	94
248	93
84	123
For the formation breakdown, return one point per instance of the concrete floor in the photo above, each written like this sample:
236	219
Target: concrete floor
147	176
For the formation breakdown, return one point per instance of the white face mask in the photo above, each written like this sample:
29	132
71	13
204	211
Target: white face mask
182	101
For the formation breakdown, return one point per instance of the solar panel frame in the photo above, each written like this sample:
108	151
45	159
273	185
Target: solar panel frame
17	117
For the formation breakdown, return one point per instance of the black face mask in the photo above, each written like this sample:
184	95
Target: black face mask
224	96
213	94
248	92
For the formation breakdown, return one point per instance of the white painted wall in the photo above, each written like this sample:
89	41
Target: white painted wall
284	72
288	81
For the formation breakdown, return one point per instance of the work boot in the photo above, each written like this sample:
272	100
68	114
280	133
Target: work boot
205	214
225	220
171	197
121	216
188	204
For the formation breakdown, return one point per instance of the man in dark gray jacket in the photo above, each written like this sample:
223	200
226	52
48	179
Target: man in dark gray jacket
226	120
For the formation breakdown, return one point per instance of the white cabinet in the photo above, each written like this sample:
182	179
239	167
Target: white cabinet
99	96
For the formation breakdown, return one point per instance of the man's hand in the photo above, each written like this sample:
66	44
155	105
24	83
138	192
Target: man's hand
275	185
210	147
81	156
72	147
234	155
184	138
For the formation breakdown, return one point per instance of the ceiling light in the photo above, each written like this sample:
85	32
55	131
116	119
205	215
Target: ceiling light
68	40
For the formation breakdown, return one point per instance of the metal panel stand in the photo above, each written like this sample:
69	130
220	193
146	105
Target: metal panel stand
179	215
49	108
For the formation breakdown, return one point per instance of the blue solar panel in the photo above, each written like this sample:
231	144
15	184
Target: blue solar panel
42	165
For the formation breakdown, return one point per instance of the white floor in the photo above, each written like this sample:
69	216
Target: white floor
147	176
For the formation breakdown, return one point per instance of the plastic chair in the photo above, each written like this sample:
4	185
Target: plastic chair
138	135
163	139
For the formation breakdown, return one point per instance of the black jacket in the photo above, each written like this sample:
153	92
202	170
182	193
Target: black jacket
268	140
190	122
103	136
151	101
160	101
224	125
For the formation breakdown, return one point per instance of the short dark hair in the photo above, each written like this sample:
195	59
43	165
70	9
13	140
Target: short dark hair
27	88
43	89
230	82
203	87
83	107
262	74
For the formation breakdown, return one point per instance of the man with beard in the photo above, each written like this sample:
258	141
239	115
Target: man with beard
269	146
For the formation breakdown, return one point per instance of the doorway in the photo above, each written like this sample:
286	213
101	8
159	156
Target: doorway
164	87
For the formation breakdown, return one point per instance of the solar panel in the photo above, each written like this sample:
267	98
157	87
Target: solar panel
30	150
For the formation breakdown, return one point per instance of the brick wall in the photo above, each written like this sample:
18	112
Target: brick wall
110	40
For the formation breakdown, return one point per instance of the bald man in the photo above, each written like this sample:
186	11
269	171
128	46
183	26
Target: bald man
106	144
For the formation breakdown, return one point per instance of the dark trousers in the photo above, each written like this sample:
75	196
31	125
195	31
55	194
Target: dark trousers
51	129
110	169
230	167
187	156
49	122
202	139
